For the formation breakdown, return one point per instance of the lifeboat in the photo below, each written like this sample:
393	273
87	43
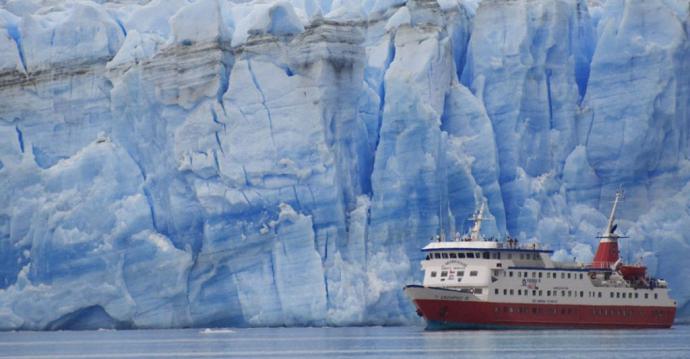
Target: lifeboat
632	272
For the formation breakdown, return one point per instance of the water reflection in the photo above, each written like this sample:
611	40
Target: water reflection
360	342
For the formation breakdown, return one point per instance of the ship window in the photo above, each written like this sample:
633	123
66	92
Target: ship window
510	274
477	291
519	291
493	255
534	292
618	294
522	256
505	292
444	273
461	255
568	275
519	274
554	275
548	293
510	255
540	274
656	296
477	255
580	275
548	275
511	292
646	296
524	274
636	295
599	294
444	255
470	255
582	294
433	274
461	274
485	255
534	274
473	273
562	293
570	293
437	255
623	295
453	255
541	293
611	294
496	291
562	275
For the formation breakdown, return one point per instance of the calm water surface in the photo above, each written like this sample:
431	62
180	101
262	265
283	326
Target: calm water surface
360	342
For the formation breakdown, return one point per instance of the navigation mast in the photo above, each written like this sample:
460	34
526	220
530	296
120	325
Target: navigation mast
478	217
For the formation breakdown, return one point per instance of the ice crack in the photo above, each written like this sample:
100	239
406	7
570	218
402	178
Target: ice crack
20	138
14	33
263	101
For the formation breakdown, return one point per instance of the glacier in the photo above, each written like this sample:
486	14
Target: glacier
269	163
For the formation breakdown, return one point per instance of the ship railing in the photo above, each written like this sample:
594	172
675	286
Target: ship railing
513	244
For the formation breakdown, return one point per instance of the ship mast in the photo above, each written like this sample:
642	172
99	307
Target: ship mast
611	227
478	217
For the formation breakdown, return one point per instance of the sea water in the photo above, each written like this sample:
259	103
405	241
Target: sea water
359	342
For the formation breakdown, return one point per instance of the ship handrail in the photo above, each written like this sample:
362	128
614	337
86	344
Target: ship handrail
487	249
466	290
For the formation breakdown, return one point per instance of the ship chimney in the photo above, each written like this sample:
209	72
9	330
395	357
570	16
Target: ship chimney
607	253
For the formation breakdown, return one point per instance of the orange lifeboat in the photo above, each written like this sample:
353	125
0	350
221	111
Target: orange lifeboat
633	272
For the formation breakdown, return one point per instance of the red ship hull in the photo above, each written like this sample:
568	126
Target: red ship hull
442	314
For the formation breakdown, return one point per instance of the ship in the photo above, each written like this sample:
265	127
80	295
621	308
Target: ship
476	283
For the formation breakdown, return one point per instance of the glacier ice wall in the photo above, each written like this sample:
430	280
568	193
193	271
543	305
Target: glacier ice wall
212	163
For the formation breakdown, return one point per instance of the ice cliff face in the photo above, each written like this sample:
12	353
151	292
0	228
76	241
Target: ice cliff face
199	163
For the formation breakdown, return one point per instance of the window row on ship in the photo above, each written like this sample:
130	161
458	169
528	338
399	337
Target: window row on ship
460	274
482	255
540	274
520	274
571	293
